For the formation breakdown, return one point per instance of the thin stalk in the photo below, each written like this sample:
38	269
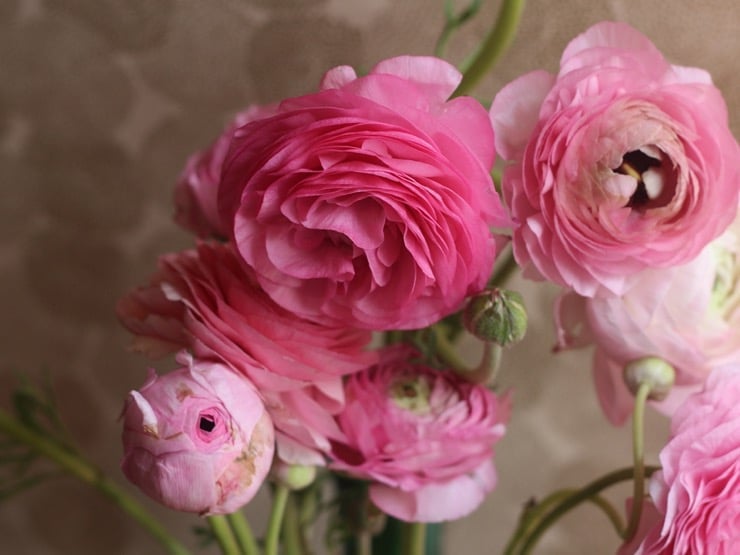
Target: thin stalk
494	45
487	368
638	459
92	476
565	504
291	528
417	534
243	532
272	538
504	270
364	542
224	536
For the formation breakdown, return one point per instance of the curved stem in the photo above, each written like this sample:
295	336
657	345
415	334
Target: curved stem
494	45
487	368
92	476
272	538
243	532
526	540
225	537
638	459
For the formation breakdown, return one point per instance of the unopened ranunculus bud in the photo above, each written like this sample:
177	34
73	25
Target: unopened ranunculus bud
293	476
496	315
197	439
655	372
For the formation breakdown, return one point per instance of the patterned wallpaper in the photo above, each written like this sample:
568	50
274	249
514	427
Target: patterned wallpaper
100	103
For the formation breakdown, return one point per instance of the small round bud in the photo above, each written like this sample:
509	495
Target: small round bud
497	316
294	476
655	372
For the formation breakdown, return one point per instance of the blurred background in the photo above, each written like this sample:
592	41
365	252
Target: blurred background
101	101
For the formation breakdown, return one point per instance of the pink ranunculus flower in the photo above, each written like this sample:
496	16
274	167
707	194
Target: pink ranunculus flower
196	191
649	518
369	203
424	437
621	162
205	300
697	492
688	315
197	439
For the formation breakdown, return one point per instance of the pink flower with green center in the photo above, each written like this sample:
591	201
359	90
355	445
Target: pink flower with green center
423	437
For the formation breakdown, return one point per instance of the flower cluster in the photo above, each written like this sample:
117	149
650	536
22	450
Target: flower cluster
366	206
623	190
369	207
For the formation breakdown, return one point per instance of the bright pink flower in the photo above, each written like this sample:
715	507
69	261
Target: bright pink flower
369	203
697	492
196	190
207	301
622	162
424	437
197	439
688	315
649	518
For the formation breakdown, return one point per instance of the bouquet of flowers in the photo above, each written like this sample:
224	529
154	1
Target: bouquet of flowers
345	239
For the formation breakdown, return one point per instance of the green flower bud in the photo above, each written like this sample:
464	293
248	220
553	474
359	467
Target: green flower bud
294	476
653	371
497	316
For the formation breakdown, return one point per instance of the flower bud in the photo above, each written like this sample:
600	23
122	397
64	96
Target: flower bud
197	439
653	371
293	476
497	316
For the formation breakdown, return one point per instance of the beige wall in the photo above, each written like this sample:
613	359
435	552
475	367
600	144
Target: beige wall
101	101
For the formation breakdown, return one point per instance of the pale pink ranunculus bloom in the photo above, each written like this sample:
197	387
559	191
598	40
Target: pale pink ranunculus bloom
697	491
369	203
688	315
207	301
197	439
196	190
423	437
620	162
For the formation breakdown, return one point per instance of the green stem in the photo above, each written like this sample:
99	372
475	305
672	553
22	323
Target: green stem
92	476
531	529
291	528
417	534
243	532
638	459
364	542
487	368
493	46
505	268
224	535
611	513
272	538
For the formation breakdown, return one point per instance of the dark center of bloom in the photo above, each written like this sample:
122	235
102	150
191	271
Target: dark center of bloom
206	422
655	182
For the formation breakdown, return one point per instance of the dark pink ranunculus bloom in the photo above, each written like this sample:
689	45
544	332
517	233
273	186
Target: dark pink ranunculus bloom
368	204
205	300
697	491
621	162
424	437
197	439
196	191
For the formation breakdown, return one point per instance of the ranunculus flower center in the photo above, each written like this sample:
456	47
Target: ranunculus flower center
725	289
411	394
655	182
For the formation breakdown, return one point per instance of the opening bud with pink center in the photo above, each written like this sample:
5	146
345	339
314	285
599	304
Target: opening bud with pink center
197	439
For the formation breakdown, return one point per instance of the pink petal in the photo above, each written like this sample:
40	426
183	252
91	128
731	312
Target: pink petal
515	111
